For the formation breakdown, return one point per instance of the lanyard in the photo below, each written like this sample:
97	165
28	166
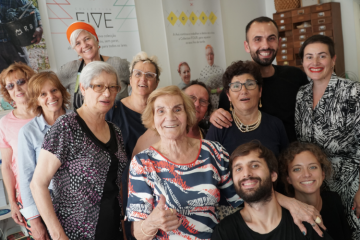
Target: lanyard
79	72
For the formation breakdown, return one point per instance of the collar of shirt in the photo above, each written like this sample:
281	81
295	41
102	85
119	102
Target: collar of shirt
41	122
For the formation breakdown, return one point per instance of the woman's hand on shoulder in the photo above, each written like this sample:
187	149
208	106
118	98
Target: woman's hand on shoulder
356	204
221	118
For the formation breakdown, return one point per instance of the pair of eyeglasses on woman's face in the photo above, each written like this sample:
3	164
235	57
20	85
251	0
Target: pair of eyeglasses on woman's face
148	75
249	85
99	88
202	102
19	82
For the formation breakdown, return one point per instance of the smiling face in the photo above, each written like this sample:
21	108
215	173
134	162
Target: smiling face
201	95
142	85
86	46
170	117
209	56
50	98
252	179
185	73
317	62
262	42
244	100
100	102
18	93
305	173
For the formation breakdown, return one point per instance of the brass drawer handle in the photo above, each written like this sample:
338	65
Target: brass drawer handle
302	30
282	15
321	14
321	21
284	51
282	21
301	37
282	28
322	33
322	28
284	45
284	39
286	63
284	57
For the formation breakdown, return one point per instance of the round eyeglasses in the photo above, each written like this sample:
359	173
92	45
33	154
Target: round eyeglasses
99	88
18	82
249	85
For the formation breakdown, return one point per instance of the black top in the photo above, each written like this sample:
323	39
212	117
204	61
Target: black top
271	133
333	215
279	96
108	226
234	227
129	123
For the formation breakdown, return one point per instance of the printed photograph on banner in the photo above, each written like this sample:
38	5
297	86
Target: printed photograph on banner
21	35
195	43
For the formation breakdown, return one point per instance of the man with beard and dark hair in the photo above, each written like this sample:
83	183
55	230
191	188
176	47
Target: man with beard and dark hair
281	83
254	169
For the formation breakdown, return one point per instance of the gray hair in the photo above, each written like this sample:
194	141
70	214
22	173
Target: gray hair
93	70
143	57
75	34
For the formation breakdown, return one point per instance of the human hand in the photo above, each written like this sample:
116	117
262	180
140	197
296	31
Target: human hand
37	35
38	229
221	118
16	215
160	218
356	204
301	212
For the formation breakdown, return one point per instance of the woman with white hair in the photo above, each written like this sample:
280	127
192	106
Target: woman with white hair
84	40
84	156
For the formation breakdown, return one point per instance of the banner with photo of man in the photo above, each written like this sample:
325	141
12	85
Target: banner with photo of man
195	43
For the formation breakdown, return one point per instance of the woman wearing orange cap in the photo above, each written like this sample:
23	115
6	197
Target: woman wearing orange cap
84	40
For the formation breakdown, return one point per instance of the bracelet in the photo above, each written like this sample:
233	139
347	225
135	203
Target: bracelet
145	233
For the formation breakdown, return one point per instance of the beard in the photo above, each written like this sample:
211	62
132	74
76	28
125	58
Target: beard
263	62
262	194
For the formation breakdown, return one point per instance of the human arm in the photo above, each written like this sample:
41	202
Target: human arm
46	168
301	212
9	181
26	166
145	141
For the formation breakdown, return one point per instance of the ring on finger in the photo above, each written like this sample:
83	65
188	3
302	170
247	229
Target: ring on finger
313	225
171	210
318	220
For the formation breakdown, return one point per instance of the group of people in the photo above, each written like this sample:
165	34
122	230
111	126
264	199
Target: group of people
84	160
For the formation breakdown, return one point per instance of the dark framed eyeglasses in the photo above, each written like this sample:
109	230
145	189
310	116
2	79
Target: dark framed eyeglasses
18	82
99	88
249	85
202	102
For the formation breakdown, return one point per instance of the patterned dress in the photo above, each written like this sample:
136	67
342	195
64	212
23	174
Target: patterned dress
212	77
334	125
192	189
79	183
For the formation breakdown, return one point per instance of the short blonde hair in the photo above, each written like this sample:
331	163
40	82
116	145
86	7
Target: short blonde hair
37	82
148	115
143	57
15	67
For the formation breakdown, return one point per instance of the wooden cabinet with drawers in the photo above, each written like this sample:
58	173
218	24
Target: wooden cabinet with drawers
296	25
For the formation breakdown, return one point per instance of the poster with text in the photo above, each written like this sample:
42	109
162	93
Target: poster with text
195	43
115	23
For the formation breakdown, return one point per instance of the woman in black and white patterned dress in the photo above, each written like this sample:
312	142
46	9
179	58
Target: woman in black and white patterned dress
328	114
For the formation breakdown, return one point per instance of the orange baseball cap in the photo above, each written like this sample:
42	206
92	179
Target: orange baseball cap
80	25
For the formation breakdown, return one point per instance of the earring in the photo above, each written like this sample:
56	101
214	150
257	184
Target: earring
260	105
231	107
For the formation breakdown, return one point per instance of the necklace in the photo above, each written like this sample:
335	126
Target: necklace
246	128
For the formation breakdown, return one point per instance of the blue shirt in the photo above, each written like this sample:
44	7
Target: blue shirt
31	137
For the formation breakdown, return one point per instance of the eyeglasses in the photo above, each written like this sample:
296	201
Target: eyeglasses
202	102
18	82
249	85
148	75
99	88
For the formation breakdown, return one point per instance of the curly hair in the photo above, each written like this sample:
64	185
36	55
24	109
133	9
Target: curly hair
143	57
15	67
289	155
148	115
36	84
197	82
239	68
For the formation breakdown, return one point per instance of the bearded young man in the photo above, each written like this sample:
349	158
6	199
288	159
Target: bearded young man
280	83
254	169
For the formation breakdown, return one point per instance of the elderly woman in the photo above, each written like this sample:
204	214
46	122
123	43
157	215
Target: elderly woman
328	114
172	187
48	99
185	74
84	40
304	167
83	155
199	94
14	87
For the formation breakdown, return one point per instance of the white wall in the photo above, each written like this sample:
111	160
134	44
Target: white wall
235	15
351	32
